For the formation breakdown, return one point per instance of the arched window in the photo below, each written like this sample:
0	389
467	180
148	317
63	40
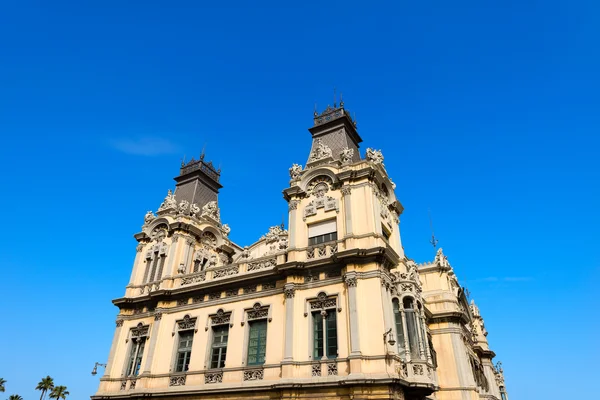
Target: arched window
412	325
399	328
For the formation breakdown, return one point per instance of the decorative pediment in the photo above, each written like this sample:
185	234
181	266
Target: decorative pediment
140	330
220	318
322	302
328	203
257	312
374	156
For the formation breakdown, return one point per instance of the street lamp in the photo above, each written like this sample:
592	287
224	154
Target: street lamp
391	339
95	370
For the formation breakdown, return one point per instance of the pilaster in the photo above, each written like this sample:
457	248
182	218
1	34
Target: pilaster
152	344
113	347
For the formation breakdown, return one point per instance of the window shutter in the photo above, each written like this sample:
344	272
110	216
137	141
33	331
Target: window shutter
322	228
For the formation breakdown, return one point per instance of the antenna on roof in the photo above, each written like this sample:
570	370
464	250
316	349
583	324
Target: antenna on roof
467	293
183	161
433	240
341	100
202	154
315	112
282	222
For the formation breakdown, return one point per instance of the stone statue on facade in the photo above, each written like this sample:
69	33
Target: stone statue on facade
346	155
246	252
211	210
194	209
374	156
226	229
441	260
274	233
149	217
320	151
183	207
169	202
295	171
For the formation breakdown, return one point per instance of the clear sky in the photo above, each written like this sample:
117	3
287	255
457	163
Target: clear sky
487	113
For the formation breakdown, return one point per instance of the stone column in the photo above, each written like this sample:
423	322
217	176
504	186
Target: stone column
113	347
289	291
171	259
152	344
347	209
420	338
136	266
387	312
292	207
404	326
425	340
350	280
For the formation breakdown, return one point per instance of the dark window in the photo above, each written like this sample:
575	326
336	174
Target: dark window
135	356
328	341
184	350
257	342
399	328
328	237
432	352
219	346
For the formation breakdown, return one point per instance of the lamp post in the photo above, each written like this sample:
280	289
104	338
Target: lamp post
391	341
95	370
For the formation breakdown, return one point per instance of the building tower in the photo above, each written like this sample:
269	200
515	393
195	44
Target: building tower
330	308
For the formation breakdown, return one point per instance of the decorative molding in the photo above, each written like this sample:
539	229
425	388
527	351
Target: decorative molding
293	204
169	203
220	273
158	315
213	377
255	266
177	380
289	292
350	281
220	318
188	280
123	385
211	210
316	370
346	189
119	323
140	330
254	375
332	369
186	323
132	384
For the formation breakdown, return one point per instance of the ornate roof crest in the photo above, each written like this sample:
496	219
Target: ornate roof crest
320	151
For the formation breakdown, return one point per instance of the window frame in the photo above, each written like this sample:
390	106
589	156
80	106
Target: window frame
221	359
252	325
327	304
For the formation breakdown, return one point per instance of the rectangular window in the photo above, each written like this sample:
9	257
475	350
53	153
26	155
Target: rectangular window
322	232
328	340
184	350
257	343
135	356
219	346
385	233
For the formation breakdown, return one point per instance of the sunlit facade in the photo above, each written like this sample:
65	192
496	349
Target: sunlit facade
329	308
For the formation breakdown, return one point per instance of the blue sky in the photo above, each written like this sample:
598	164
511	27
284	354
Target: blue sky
486	112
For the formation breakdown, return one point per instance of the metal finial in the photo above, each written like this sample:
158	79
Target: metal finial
433	240
341	100
316	114
183	161
334	98
282	222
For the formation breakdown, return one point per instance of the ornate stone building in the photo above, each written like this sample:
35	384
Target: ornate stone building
330	308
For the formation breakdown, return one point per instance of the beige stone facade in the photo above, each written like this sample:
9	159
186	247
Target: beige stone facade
330	308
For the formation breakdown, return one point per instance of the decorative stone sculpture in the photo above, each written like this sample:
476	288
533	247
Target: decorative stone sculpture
440	259
169	202
273	234
149	217
183	207
346	155
374	156
246	252
211	210
194	209
226	229
295	171
320	151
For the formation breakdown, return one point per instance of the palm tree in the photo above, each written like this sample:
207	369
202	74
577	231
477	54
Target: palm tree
45	384
2	382
15	397
59	392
